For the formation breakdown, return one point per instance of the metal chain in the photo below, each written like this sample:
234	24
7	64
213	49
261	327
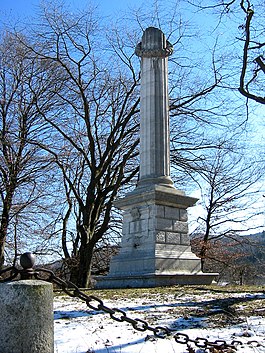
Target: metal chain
119	315
13	273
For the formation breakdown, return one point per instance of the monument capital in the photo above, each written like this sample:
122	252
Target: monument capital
153	44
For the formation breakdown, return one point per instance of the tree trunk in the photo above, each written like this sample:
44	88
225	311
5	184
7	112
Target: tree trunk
2	251
202	254
84	269
85	253
3	227
64	231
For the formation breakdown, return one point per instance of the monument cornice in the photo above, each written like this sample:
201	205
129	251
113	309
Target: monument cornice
154	53
158	194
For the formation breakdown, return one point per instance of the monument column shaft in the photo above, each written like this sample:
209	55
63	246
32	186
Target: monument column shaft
154	126
154	50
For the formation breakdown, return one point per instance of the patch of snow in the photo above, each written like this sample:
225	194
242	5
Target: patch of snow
81	330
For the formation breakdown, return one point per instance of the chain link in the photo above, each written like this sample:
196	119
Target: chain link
119	315
13	273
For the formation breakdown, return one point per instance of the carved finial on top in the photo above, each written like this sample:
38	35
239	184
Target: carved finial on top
153	44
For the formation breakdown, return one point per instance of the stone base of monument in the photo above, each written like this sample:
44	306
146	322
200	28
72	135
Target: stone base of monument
155	247
154	280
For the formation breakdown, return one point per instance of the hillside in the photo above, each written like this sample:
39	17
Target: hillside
239	259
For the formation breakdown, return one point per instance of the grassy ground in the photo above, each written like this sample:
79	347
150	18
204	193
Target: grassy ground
221	306
182	308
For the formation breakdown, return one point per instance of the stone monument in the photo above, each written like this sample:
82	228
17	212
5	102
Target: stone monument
155	247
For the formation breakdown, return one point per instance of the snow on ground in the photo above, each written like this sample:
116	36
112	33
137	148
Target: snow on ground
79	329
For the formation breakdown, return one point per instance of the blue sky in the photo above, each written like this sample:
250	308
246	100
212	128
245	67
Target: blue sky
23	8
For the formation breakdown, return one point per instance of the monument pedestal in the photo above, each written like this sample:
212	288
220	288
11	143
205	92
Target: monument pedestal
155	247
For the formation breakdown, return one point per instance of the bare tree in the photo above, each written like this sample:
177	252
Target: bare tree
21	164
251	85
94	117
230	196
251	37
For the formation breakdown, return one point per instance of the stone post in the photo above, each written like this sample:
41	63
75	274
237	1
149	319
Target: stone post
26	317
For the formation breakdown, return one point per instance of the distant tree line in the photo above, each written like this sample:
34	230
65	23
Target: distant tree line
238	259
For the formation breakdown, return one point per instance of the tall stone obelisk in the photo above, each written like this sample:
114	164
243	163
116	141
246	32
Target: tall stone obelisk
155	247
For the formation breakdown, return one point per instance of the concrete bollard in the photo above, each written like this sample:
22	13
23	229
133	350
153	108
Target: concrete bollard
26	317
